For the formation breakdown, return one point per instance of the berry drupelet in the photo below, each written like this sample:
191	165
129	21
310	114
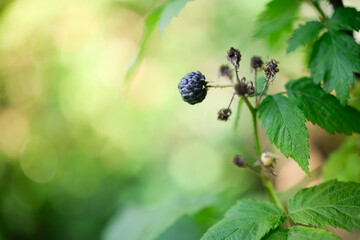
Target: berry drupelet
192	87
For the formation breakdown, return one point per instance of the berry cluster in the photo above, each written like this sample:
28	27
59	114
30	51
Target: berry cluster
193	89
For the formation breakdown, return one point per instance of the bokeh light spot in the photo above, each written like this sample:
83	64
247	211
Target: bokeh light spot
14	131
39	160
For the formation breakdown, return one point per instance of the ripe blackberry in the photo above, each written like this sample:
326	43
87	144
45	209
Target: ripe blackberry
192	87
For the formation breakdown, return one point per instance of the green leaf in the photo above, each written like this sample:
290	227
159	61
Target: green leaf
186	227
344	164
248	219
171	10
278	234
277	19
333	60
304	34
192	227
322	108
135	223
150	24
308	233
260	82
345	19
332	203
284	124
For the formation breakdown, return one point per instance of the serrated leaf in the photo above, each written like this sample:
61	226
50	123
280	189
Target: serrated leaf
345	19
260	82
304	34
171	10
332	203
248	219
344	163
322	108
333	60
284	124
150	23
278	234
308	233
277	19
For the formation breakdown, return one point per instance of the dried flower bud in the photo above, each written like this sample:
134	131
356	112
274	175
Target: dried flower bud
268	158
270	169
239	161
225	71
241	88
256	63
270	70
234	56
224	114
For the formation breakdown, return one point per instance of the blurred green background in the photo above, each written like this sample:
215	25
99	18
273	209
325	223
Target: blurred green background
83	157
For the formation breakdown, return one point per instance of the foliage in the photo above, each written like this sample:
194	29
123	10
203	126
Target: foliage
334	58
321	205
304	34
322	108
150	24
284	124
307	233
248	219
332	203
277	19
161	17
77	159
344	163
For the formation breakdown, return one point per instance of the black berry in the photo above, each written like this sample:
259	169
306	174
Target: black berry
192	87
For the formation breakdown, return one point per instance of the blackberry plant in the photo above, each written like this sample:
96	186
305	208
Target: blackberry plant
334	63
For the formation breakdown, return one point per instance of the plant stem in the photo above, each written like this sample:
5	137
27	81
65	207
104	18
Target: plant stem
261	94
220	86
269	188
256	96
237	74
231	100
254	121
315	4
